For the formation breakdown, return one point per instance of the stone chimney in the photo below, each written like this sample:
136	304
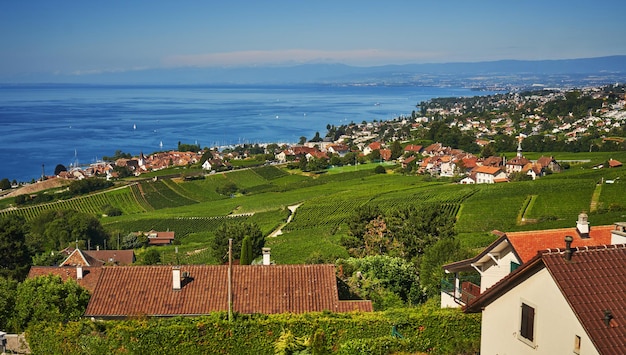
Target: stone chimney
582	226
266	256
79	272
568	247
176	280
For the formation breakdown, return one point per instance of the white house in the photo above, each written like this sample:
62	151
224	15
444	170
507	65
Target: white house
510	250
562	301
488	174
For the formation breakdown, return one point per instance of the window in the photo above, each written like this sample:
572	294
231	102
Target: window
577	344
514	266
527	326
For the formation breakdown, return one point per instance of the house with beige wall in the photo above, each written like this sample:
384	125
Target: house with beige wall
562	301
512	249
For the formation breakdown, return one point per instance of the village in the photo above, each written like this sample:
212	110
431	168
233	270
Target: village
374	141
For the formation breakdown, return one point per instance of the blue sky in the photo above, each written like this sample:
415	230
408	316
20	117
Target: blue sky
78	37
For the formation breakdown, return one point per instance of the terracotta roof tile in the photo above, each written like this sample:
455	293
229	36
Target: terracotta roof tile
592	282
492	170
148	290
526	244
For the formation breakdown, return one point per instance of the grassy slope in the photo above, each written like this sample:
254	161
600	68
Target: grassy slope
327	200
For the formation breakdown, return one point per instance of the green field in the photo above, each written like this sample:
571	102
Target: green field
193	209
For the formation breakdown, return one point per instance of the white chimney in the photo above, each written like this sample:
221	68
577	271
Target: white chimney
582	226
79	272
266	256
176	277
618	234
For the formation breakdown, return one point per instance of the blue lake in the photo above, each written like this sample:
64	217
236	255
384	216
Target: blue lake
62	124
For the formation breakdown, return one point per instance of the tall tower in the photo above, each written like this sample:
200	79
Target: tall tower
520	138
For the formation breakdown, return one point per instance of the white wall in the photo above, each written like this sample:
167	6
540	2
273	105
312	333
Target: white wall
493	272
555	323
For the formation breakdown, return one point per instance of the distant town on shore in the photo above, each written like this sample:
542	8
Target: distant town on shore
449	137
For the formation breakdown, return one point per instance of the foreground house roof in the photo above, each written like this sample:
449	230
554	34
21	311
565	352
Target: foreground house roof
593	282
152	290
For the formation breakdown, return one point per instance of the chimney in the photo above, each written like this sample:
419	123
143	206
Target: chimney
568	247
79	272
176	278
266	256
582	226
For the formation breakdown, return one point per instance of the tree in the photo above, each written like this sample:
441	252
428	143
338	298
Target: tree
317	138
55	230
431	272
228	189
387	281
379	169
134	240
48	299
302	140
396	150
15	257
59	168
207	155
5	184
151	257
237	232
246	251
488	150
374	156
8	290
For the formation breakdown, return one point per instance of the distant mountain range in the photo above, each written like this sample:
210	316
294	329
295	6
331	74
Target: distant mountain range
489	74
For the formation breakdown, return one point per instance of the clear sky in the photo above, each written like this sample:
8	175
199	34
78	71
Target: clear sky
94	36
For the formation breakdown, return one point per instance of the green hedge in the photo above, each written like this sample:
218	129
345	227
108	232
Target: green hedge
426	329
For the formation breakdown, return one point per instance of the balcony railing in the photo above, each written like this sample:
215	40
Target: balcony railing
467	292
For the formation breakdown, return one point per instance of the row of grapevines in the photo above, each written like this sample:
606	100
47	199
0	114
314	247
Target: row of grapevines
92	204
158	195
182	226
270	172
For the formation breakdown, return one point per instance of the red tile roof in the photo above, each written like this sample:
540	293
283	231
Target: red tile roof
526	244
98	257
592	282
89	280
491	170
413	148
147	290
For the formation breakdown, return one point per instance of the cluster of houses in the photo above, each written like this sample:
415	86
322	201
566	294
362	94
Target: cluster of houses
609	116
435	159
546	291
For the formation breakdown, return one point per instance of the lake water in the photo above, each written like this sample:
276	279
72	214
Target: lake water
60	124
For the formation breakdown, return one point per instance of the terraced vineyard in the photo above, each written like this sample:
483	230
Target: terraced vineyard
158	195
183	226
123	198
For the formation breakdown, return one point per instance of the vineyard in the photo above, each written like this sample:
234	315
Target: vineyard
183	226
123	198
158	195
193	209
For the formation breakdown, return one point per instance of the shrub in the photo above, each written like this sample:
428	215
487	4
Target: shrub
379	169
